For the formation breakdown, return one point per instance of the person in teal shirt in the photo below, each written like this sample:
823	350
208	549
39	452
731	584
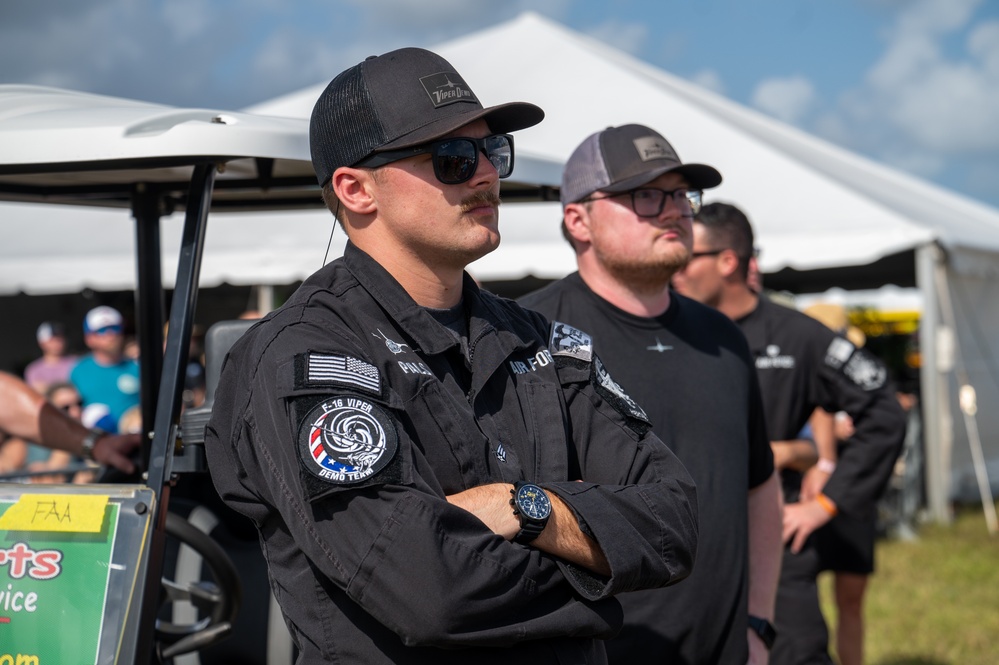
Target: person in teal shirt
106	379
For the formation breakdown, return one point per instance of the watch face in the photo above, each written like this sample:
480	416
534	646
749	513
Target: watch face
533	503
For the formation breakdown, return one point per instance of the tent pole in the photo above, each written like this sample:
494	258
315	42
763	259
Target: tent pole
934	399
968	402
265	298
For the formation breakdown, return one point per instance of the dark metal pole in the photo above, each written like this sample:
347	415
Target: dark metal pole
149	301
168	402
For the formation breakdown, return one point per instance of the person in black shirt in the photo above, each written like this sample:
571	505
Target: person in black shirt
437	475
801	365
627	207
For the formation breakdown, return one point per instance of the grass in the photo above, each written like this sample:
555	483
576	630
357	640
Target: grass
933	600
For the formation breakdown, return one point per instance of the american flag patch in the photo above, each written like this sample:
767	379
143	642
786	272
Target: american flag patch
343	371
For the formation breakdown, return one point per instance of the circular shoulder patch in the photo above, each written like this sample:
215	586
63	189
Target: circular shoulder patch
346	439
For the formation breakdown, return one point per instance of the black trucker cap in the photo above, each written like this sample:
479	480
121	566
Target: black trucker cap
401	99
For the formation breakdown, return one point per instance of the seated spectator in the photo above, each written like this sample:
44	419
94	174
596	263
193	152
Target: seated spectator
55	365
65	397
106	377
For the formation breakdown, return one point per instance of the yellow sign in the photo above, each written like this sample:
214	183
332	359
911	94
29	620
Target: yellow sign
64	513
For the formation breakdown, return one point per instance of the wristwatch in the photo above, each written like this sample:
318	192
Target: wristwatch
764	629
533	507
90	441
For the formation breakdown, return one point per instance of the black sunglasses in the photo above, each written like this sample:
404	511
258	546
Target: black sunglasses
455	159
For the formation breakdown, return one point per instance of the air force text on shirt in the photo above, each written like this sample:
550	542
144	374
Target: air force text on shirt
540	359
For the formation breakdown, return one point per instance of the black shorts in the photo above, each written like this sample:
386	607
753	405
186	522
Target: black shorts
846	544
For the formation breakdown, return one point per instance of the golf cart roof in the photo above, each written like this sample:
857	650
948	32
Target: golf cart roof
62	146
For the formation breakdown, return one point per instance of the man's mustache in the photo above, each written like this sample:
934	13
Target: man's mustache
480	198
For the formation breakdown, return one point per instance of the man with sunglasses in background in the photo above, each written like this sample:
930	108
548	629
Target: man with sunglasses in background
435	475
627	205
801	365
107	380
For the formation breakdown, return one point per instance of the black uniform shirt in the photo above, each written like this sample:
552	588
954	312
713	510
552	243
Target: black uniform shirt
803	364
339	429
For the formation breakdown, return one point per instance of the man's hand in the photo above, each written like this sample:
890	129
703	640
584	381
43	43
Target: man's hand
758	652
114	450
800	520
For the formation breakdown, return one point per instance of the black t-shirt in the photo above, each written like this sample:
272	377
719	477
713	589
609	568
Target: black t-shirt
690	370
803	364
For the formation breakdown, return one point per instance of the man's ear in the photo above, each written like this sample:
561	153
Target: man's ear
576	220
728	262
355	189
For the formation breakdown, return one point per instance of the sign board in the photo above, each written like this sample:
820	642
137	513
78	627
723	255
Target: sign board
70	557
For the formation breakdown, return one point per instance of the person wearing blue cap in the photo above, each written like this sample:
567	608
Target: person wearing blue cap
106	379
437	475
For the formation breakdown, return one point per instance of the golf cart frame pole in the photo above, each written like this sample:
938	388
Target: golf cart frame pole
168	405
149	302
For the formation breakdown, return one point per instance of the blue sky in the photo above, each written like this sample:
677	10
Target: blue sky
911	83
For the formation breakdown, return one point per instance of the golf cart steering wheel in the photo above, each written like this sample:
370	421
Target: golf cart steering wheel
220	599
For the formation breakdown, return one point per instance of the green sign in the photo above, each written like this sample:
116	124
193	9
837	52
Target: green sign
53	592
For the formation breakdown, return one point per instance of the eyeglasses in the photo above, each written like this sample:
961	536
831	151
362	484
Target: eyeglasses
650	201
66	407
457	159
713	252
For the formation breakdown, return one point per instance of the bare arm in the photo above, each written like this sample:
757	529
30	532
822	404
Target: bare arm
795	454
562	536
26	414
13	453
824	433
765	552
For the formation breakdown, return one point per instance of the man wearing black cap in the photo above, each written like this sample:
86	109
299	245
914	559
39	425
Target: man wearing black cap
435	476
627	205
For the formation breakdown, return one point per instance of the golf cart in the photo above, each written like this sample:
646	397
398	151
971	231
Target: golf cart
100	596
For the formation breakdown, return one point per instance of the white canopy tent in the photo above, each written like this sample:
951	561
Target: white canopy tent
821	213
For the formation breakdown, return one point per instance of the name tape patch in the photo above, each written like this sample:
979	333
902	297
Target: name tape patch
337	370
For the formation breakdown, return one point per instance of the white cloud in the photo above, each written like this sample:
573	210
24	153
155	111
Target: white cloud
788	99
710	79
628	37
929	104
187	18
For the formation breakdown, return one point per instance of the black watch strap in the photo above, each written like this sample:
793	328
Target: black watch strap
764	629
528	532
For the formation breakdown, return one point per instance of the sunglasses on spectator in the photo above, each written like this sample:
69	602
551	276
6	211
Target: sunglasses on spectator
455	159
66	407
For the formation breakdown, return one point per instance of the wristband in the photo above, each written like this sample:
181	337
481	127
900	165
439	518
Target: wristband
90	441
827	504
764	629
826	465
